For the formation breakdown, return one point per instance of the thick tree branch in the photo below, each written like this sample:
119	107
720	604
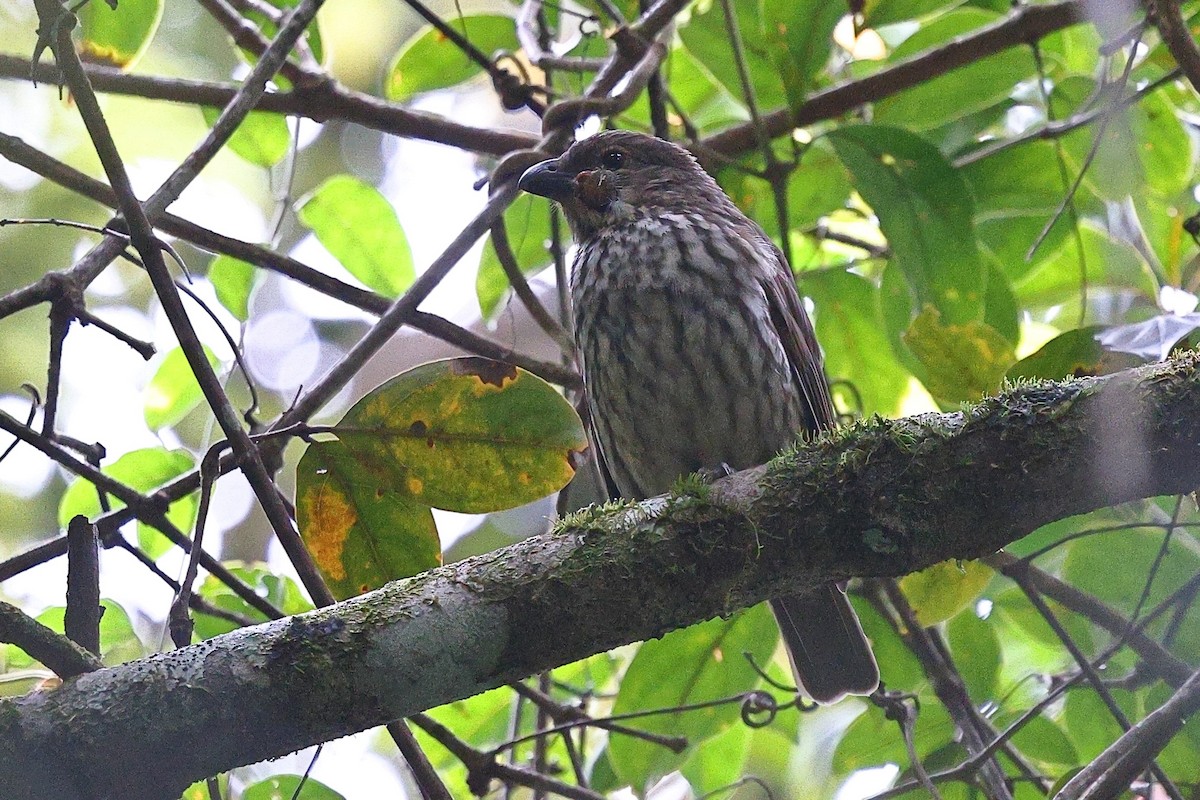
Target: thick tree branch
883	498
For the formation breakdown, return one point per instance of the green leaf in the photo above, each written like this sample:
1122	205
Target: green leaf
924	210
1029	645
431	61
707	39
1072	354
1089	722
1115	168
1167	151
962	91
1090	565
283	787
719	762
1040	189
359	227
819	186
873	740
976	652
278	590
939	592
798	36
1109	263
312	34
262	138
899	669
692	665
527	222
361	526
1000	306
173	391
117	36
143	470
850	328
233	280
465	434
885	12
1162	219
118	640
962	362
1041	741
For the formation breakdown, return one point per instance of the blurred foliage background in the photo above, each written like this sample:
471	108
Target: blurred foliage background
970	193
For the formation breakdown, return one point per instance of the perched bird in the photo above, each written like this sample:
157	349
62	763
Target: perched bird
696	351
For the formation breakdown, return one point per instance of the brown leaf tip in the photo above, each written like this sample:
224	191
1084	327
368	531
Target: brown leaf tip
488	371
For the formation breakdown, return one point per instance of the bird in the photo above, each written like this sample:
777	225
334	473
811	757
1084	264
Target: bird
696	352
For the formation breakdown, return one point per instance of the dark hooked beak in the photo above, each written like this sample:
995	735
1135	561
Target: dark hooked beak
546	180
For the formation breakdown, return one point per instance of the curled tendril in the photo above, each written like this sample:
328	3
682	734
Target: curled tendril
759	709
585	18
798	702
589	26
762	673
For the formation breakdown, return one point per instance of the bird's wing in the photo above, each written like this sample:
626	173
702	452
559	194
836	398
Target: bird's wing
795	330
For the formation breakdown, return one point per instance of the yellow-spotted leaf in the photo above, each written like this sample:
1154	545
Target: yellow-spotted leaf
939	592
362	529
118	33
962	362
468	434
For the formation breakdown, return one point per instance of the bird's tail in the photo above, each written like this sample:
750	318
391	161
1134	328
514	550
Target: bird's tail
830	654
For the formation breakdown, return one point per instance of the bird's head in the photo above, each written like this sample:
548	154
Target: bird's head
614	176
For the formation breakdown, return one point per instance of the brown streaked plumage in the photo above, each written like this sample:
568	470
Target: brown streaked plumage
696	350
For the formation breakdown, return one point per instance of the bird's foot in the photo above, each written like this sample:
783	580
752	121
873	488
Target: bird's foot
714	474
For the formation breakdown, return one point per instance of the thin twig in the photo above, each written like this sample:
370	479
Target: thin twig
52	649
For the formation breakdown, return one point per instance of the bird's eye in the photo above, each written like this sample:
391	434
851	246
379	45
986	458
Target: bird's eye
613	159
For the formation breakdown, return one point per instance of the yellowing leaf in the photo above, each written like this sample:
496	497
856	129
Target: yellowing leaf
466	434
939	592
962	362
362	530
118	36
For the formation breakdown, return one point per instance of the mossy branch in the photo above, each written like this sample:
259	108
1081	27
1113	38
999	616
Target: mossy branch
882	498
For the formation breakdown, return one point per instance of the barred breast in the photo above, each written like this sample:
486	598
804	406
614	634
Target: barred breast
683	367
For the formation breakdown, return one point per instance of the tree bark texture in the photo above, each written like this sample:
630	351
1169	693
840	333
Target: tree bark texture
882	498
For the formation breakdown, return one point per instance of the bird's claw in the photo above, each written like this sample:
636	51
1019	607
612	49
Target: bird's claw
714	474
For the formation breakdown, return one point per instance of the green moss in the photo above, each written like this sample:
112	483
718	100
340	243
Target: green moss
593	517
